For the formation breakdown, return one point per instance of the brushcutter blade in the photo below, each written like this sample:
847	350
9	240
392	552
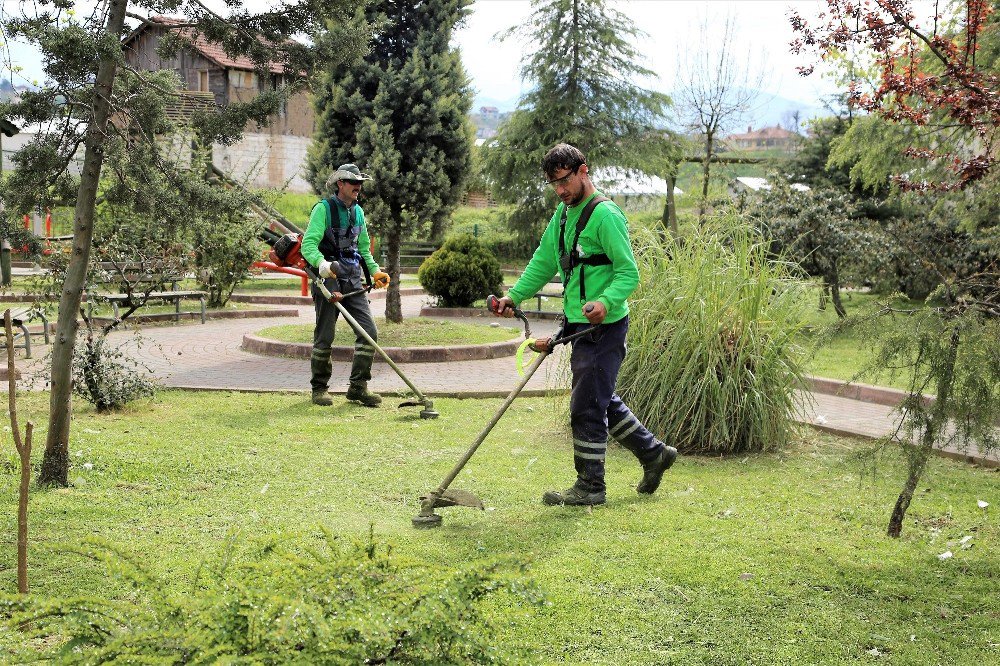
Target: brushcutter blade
456	497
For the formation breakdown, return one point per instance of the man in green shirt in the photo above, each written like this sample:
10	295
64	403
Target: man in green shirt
336	242
599	272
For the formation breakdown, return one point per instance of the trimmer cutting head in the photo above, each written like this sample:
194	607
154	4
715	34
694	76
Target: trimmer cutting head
428	411
450	497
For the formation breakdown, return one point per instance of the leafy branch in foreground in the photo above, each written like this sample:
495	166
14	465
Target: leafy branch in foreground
338	604
950	349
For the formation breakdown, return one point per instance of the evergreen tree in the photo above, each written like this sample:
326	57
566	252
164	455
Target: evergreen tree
402	114
584	67
92	105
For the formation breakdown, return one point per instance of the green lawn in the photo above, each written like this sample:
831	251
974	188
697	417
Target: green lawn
764	559
413	332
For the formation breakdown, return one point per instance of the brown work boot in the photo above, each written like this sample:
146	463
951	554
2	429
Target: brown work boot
322	398
652	472
358	392
572	497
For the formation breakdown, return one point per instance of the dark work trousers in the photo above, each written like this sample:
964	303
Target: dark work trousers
326	321
596	411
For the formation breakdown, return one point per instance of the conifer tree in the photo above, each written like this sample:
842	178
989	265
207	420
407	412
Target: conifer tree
585	68
402	114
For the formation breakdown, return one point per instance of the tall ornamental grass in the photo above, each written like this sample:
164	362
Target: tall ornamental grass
713	363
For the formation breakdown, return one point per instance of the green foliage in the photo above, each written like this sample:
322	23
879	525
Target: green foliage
823	230
712	364
224	248
952	352
461	272
401	113
583	69
105	376
340	604
489	226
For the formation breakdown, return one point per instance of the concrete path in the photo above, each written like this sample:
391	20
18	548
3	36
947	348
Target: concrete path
208	356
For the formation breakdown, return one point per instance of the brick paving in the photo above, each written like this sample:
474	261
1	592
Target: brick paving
208	356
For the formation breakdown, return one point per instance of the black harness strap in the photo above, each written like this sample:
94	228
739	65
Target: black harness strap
572	259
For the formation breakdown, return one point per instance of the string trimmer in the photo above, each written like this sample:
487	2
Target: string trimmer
443	496
286	256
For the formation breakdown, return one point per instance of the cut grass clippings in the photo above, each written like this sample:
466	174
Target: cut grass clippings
412	332
764	559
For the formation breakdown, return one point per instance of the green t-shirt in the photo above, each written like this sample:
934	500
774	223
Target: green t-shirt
605	233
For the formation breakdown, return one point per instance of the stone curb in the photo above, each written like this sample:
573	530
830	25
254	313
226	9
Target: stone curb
878	395
267	299
888	397
459	395
267	347
210	315
429	311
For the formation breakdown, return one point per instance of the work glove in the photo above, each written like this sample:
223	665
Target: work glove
541	345
327	269
380	280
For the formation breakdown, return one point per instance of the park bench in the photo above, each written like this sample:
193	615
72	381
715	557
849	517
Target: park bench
19	319
141	282
411	254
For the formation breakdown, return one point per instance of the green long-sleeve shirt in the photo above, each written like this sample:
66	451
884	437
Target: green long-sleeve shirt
605	233
318	222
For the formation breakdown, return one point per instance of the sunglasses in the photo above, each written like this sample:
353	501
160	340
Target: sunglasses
353	182
564	179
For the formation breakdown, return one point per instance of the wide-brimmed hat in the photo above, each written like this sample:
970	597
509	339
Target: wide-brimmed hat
348	172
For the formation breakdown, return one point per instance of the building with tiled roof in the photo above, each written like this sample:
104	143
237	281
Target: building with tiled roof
765	138
271	156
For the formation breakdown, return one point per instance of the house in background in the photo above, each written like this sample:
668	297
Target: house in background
632	191
766	138
271	156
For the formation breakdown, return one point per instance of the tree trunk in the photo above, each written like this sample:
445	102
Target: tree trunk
393	302
937	422
833	281
918	462
705	169
55	464
670	205
23	448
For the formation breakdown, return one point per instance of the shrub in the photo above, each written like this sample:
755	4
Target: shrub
712	365
490	228
105	377
460	272
356	604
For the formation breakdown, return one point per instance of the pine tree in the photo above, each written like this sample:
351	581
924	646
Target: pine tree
401	113
585	69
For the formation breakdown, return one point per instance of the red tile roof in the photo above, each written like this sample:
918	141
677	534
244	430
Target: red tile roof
212	51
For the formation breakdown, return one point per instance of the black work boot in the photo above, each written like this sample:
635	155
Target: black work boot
358	392
572	496
652	472
322	397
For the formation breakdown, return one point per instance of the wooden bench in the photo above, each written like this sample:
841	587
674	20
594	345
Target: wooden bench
139	282
19	319
411	254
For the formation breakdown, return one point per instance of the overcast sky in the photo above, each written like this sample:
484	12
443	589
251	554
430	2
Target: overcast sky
762	31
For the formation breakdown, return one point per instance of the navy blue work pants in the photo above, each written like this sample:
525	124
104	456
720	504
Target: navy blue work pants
596	411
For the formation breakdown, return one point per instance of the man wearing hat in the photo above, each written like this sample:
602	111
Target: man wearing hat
336	242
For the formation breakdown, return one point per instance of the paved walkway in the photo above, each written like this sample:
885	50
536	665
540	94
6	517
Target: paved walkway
208	356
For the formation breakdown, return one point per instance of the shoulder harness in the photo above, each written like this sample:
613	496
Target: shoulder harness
570	260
